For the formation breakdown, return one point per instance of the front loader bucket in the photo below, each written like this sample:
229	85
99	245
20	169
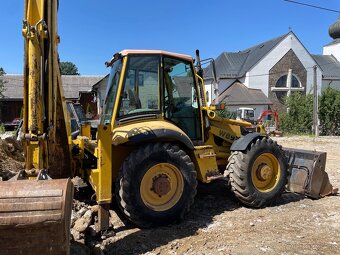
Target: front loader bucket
35	217
307	173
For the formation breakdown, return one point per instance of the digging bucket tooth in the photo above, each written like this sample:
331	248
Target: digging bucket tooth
307	173
35	217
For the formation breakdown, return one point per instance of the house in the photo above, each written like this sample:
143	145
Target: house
333	48
76	88
329	62
276	67
265	66
11	104
330	67
237	95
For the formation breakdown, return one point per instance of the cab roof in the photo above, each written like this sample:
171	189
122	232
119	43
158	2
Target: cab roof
161	52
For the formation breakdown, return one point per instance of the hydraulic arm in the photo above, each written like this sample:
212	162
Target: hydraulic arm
44	110
34	208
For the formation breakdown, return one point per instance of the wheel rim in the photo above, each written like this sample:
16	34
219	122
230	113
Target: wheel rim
162	186
265	172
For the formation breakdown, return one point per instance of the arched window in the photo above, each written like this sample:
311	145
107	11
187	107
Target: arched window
281	88
282	81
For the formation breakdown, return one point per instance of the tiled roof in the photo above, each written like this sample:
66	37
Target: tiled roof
72	84
329	65
14	86
236	64
239	94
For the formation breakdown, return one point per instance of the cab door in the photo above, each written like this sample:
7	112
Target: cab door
181	103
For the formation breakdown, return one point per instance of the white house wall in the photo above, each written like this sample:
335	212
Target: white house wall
255	79
222	85
333	49
330	83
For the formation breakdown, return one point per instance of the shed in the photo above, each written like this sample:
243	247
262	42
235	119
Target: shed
238	95
76	88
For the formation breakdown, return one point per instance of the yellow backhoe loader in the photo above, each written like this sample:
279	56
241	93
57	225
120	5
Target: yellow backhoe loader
157	138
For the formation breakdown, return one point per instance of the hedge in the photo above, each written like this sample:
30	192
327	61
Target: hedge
299	118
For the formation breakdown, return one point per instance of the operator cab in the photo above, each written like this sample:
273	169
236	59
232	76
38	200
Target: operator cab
147	85
246	114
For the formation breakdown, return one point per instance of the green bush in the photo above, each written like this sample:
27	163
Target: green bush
299	118
2	128
329	112
226	113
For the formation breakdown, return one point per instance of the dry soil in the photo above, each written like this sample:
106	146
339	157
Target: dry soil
219	224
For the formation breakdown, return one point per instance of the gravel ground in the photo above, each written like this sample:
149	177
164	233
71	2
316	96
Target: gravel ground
11	157
218	224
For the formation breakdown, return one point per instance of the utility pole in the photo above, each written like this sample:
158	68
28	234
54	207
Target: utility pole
315	104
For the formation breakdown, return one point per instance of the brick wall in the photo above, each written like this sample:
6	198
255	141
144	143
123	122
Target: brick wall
288	61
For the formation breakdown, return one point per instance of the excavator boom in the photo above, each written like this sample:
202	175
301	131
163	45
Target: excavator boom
35	210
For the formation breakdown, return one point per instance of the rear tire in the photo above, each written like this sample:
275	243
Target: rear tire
156	185
258	175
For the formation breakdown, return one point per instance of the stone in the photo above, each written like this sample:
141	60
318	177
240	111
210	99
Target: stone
92	230
84	222
75	234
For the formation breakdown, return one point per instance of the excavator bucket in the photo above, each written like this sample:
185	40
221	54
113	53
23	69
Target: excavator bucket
307	173
35	216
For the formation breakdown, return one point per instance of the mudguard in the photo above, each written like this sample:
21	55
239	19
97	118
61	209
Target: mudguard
242	143
156	130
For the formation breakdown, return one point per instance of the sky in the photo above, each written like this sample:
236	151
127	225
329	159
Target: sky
92	31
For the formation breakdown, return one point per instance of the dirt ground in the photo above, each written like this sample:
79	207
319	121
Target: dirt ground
218	224
11	157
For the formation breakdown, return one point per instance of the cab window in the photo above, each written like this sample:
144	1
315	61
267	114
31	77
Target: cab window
181	104
140	93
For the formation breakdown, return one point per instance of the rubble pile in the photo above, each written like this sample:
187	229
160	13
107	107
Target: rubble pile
11	157
84	237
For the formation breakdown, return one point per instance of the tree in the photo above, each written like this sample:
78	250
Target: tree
68	68
329	111
299	118
2	82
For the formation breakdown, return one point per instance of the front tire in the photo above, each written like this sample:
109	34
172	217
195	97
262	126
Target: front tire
258	175
156	185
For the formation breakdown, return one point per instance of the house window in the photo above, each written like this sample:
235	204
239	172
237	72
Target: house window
281	89
207	96
282	81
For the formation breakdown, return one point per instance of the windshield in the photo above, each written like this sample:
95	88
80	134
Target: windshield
249	114
111	92
140	93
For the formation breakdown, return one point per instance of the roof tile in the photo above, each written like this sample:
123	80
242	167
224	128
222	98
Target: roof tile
72	84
